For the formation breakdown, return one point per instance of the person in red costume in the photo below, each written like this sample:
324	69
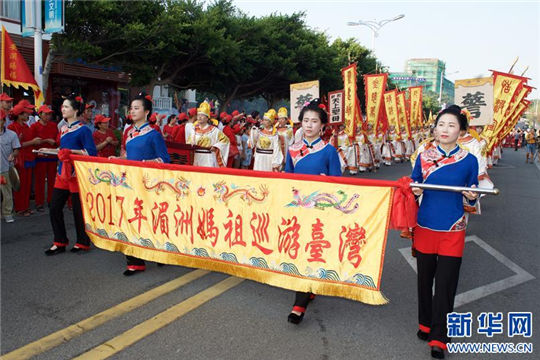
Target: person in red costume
45	168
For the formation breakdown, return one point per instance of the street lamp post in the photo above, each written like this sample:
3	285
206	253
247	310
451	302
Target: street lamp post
441	84
375	27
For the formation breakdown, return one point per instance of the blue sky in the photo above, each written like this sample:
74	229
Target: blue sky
471	37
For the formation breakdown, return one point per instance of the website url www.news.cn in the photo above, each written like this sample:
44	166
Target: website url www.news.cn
490	348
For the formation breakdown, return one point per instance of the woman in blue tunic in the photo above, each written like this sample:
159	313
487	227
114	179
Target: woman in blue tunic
313	156
439	237
77	139
143	143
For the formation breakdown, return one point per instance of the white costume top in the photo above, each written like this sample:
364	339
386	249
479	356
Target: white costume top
209	137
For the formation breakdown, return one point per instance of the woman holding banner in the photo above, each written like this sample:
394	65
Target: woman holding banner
143	143
75	138
439	237
312	156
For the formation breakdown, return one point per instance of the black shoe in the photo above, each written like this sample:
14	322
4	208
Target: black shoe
58	250
295	319
77	249
132	272
437	352
160	264
422	335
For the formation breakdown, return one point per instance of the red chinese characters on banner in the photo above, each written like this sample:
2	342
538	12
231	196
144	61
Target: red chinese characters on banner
316	246
288	237
499	105
237	238
259	228
206	227
352	240
506	85
160	219
183	222
138	207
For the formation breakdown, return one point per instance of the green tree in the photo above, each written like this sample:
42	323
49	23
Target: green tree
430	103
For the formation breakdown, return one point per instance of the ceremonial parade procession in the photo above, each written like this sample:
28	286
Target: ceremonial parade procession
227	180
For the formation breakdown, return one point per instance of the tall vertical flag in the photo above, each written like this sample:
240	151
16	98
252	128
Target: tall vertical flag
375	85
15	71
352	107
508	92
390	105
415	101
403	117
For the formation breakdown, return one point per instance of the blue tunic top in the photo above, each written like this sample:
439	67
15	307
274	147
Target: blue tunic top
315	158
76	137
145	143
443	210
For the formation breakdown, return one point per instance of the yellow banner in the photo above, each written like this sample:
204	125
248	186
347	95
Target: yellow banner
374	89
402	114
514	118
349	87
505	87
415	98
300	232
390	105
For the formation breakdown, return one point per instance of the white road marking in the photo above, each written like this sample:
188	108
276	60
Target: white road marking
519	277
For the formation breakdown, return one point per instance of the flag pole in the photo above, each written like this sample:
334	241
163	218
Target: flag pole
455	188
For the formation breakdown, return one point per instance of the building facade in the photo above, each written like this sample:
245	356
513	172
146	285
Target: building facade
428	73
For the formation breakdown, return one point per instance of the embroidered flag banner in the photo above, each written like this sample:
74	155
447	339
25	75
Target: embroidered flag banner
403	116
14	71
375	85
505	88
390	106
352	112
476	95
320	234
514	118
300	94
415	101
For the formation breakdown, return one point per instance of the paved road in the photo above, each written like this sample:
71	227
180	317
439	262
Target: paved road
246	320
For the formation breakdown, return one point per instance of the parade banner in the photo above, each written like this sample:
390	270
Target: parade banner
415	106
514	118
320	234
54	16
14	71
375	85
351	104
403	117
476	95
336	108
505	87
302	93
390	105
522	92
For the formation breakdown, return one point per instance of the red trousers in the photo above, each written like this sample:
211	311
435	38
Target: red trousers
44	169
22	197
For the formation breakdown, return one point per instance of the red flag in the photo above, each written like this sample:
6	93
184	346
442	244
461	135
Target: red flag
15	71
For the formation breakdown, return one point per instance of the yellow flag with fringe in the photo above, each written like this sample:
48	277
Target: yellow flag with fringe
319	234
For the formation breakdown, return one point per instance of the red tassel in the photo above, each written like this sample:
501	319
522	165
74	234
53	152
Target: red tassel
64	155
404	206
